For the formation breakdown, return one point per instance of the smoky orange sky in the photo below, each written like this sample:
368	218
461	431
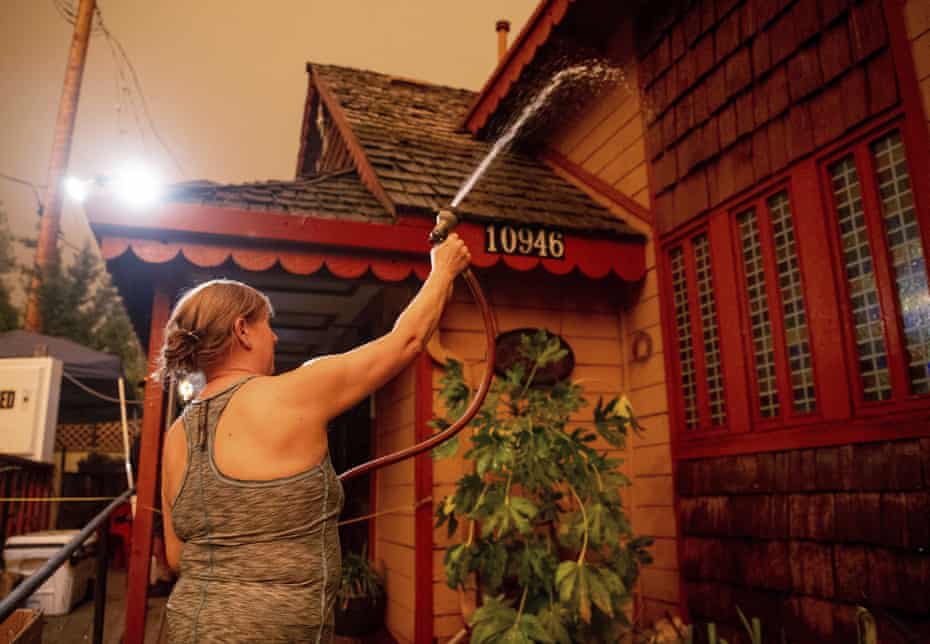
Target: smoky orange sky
225	80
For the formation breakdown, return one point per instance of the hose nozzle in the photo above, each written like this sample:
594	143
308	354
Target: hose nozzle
446	221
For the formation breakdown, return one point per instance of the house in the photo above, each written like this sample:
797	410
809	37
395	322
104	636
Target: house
782	148
339	250
745	218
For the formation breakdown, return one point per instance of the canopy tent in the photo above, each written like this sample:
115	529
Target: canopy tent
94	369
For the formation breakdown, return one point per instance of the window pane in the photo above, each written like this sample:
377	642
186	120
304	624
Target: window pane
685	343
797	342
907	256
708	308
762	343
857	258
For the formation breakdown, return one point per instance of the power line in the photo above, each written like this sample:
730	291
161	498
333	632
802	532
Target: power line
129	84
35	189
115	42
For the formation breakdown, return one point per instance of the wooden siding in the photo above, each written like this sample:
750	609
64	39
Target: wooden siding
755	86
590	317
800	538
607	140
393	549
652	493
917	21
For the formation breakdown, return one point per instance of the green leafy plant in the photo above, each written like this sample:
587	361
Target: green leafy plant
547	535
359	578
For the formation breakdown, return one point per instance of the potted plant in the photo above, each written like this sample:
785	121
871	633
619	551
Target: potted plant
360	602
546	534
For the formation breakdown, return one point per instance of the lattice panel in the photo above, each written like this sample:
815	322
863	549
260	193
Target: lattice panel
763	342
907	255
90	437
797	337
708	310
860	275
685	341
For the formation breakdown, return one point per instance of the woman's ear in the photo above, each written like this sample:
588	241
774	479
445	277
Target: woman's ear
241	329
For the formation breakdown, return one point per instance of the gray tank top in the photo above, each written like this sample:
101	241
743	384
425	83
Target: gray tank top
260	560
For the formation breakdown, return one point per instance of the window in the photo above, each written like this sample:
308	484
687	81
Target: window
775	309
804	306
695	312
884	271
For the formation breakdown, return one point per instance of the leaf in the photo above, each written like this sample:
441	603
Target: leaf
446	449
515	513
572	581
551	620
566	575
533	628
515	636
599	593
493	618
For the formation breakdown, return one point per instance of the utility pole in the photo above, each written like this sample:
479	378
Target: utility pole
46	249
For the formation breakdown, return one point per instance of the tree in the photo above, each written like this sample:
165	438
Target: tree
9	314
547	536
79	302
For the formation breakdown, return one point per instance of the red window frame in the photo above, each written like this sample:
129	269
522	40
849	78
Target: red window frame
895	349
839	419
706	425
787	415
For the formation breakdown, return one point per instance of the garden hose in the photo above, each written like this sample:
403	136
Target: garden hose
446	220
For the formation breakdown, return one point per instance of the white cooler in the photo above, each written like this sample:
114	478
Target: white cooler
26	553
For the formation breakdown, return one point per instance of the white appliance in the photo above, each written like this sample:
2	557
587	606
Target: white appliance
26	553
29	390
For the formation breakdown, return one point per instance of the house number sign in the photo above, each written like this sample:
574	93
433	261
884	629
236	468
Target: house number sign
524	240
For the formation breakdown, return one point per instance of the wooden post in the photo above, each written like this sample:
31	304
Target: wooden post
46	250
146	478
423	517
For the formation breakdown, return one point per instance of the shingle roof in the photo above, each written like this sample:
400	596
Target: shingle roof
410	133
339	195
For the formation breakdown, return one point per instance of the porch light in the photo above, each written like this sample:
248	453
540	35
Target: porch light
137	185
77	189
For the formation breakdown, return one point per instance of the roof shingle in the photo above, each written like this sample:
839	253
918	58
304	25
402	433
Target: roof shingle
409	133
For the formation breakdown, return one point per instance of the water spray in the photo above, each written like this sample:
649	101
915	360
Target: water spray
446	221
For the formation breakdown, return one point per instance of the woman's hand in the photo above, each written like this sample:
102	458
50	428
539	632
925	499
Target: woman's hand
451	257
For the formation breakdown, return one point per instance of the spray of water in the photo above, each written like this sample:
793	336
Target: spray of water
588	71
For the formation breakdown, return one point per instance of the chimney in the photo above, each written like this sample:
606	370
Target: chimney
503	28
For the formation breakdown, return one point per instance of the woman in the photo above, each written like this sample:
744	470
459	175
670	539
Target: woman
249	495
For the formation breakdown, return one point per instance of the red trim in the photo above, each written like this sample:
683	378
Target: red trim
146	481
697	335
916	129
362	164
860	149
548	14
809	210
423	517
237	234
776	311
670	339
884	278
844	432
733	363
598	185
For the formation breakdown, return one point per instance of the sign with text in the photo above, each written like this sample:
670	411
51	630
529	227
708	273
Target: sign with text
531	241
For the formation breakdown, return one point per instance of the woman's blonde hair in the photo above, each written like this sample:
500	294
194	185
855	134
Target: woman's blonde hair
200	329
